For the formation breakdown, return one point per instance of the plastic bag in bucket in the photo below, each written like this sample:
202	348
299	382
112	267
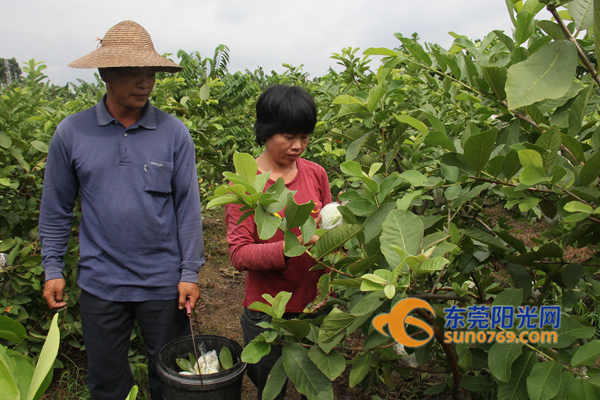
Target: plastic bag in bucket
224	385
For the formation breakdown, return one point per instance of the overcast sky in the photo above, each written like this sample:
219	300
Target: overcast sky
263	33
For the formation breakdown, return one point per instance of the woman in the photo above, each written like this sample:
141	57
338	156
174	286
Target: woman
285	118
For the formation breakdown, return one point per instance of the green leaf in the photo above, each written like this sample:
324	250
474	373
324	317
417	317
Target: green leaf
415	178
570	330
204	92
297	214
530	158
544	380
308	379
235	179
298	328
415	49
360	368
436	138
277	378
39	146
582	12
245	166
222	200
552	29
496	79
516	387
374	222
587	354
571	275
509	297
581	389
225	358
501	358
511	164
184	364
332	364
255	350
335	324
436	123
542	76
278	303
334	239
5	140
415	123
577	111
266	225
346	99
8	385
7	244
375	94
354	147
551	141
433	264
475	383
484	237
23	374
260	181
573	145
577	206
46	360
591	169
379	51
351	168
133	393
524	27
404	230
478	149
12	330
528	203
531	176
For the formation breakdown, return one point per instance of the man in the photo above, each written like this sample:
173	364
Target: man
140	236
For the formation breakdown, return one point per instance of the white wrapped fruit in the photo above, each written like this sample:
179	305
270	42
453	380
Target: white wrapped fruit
330	216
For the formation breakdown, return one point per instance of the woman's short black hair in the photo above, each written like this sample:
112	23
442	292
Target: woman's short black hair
284	109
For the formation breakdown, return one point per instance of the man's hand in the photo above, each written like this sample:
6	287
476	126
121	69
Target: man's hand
188	291
54	292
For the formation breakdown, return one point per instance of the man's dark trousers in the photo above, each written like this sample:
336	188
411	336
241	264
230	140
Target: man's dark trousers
107	328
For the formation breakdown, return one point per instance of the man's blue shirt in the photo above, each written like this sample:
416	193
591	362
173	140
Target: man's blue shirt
141	228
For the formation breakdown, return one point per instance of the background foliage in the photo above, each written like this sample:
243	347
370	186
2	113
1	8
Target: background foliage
422	148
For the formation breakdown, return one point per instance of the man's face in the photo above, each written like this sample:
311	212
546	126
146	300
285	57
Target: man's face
129	88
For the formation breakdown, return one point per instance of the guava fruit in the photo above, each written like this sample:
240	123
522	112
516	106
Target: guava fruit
330	216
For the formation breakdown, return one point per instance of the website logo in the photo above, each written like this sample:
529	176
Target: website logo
398	319
473	324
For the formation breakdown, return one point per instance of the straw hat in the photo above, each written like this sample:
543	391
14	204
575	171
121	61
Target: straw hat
127	44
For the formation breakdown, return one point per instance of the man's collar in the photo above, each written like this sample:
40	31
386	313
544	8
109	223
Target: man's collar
148	119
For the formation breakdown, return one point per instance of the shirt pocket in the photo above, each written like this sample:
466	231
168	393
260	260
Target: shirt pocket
157	176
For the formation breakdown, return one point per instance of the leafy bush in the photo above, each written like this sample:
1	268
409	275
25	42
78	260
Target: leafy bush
421	151
431	141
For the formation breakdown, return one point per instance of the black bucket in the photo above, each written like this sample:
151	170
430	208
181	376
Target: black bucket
224	385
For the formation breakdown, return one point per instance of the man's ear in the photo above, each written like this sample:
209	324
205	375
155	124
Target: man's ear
103	74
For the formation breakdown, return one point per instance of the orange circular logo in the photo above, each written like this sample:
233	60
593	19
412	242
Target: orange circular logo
398	319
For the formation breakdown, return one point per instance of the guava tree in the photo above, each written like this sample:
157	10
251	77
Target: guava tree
422	149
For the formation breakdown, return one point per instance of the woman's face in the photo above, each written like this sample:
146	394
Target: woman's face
285	148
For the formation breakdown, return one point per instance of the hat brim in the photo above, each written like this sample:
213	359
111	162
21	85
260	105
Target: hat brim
105	57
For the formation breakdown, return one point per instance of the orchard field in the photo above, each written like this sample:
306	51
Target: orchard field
469	180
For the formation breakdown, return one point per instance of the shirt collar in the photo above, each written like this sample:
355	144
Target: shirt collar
148	119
